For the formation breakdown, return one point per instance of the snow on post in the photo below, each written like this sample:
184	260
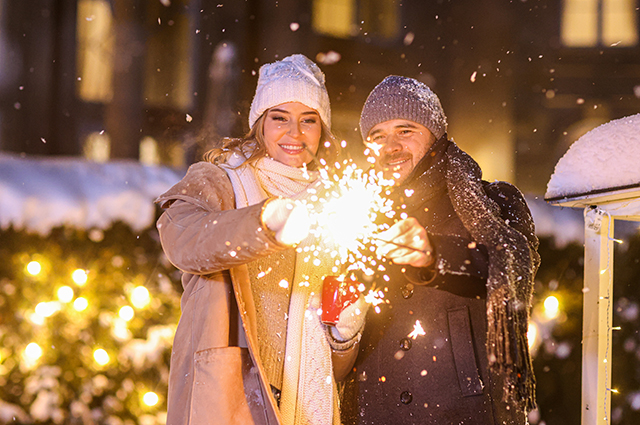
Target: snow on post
606	159
600	173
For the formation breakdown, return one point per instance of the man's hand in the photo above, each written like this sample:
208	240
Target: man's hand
406	242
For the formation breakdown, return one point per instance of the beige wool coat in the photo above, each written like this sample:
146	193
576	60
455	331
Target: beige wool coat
212	380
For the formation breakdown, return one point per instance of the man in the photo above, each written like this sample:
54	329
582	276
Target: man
451	345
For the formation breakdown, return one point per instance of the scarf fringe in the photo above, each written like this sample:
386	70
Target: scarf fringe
508	349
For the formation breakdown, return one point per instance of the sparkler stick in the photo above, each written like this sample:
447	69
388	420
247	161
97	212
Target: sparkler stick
373	238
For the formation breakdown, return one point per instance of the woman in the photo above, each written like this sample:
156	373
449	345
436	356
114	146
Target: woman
250	348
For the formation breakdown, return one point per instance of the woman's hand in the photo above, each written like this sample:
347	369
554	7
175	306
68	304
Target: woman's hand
406	242
288	220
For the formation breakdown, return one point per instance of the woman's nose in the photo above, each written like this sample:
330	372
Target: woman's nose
294	129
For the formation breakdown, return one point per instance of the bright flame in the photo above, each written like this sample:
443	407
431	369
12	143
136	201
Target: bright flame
140	297
65	294
551	307
101	356
34	268
126	313
417	331
150	398
80	304
79	276
347	218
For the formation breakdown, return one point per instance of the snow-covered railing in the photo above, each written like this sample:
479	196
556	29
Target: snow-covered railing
38	194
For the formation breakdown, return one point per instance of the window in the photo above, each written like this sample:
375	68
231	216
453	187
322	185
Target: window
168	80
94	51
590	23
348	18
334	17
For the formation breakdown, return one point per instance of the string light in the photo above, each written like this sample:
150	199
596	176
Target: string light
101	356
33	351
126	313
140	297
80	304
150	398
551	307
65	294
47	309
34	268
79	276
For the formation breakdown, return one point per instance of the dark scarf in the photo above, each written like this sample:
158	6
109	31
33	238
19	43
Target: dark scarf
512	267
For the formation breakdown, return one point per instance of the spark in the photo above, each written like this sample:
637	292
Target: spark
417	331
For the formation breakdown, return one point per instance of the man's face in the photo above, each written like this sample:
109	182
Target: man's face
398	146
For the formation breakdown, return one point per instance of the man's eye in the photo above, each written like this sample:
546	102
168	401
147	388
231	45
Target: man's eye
405	133
377	137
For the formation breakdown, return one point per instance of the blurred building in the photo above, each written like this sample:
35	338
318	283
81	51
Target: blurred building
161	80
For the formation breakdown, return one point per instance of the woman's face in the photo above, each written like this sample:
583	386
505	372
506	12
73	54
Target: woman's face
288	128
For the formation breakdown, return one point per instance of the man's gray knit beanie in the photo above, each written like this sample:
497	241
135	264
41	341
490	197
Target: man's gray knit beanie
403	98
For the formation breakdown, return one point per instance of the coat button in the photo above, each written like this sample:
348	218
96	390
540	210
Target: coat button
405	344
407	290
406	397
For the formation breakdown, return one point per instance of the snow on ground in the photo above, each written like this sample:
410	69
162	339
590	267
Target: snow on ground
38	194
606	157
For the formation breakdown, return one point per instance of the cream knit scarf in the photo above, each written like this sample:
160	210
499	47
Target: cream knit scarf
309	394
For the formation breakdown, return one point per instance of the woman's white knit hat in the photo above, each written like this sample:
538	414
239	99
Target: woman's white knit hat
293	79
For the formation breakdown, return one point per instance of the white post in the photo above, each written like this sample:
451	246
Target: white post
597	317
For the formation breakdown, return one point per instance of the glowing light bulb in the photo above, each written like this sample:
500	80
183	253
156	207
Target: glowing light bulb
33	351
140	297
65	294
101	356
34	268
126	313
79	276
150	398
80	304
551	307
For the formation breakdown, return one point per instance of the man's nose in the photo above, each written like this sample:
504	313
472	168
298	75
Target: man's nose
392	144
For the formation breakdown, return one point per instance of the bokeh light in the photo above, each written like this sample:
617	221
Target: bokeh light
101	356
79	276
551	307
126	313
34	268
65	294
47	309
150	398
140	297
33	351
80	304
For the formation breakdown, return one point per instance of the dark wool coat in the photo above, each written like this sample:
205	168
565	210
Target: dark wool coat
443	376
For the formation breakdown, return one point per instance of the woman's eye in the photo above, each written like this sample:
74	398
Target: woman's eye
309	121
278	118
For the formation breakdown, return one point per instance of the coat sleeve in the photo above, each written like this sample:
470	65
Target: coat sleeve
200	230
463	257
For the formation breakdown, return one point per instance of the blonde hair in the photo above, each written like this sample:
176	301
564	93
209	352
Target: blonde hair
253	144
